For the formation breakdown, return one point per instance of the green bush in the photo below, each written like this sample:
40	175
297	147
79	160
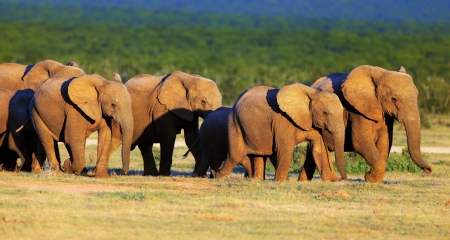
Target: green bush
157	155
401	163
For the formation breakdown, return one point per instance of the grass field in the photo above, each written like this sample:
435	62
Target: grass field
62	206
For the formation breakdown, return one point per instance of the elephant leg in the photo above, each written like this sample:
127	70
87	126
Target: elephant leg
322	157
57	154
284	161
374	159
202	166
38	158
248	164
76	163
48	144
226	168
104	142
47	141
260	167
149	161
166	155
309	167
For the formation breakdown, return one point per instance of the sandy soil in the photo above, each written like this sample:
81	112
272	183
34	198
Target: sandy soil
66	187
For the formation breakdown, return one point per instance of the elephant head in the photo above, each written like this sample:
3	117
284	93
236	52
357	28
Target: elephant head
387	92
186	95
40	71
96	96
309	107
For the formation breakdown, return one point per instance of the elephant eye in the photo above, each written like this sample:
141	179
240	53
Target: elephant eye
113	105
394	100
203	102
325	113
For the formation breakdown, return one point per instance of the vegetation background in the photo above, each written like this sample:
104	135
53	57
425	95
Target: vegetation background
239	44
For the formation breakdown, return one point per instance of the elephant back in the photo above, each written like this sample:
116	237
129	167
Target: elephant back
11	75
143	83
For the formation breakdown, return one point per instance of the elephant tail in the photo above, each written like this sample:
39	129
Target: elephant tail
189	150
21	126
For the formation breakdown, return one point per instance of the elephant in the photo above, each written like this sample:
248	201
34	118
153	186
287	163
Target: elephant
213	137
69	109
266	121
372	98
17	76
18	133
162	106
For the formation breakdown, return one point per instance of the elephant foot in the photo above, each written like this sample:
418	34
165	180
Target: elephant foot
373	178
67	167
195	175
302	177
162	174
101	174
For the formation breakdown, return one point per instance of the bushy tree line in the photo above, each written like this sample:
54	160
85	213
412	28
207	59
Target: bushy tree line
236	59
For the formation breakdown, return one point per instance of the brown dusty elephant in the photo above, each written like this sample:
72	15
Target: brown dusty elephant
68	110
213	138
17	132
17	76
162	106
373	97
267	121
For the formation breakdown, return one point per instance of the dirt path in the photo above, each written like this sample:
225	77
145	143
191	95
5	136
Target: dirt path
393	149
70	188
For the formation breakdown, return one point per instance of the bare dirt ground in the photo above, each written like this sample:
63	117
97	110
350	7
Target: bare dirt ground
70	188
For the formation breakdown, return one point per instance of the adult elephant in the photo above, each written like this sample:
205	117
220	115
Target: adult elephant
17	76
162	106
69	109
267	121
213	138
373	97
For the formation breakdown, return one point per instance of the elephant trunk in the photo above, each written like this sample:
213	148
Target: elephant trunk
339	139
126	126
412	126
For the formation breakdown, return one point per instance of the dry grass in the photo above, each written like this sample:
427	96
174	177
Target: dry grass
55	206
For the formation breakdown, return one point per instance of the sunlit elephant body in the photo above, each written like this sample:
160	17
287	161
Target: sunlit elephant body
373	97
17	76
213	138
164	105
69	109
266	121
17	132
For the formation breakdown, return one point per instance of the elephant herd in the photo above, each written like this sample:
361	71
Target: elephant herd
49	102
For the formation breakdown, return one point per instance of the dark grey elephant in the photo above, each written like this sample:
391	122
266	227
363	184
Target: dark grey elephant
373	97
19	137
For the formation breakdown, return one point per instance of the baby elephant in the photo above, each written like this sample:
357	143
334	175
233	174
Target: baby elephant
213	138
271	122
17	133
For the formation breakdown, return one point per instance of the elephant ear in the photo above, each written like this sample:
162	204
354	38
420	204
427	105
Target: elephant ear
174	95
294	100
83	93
360	91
